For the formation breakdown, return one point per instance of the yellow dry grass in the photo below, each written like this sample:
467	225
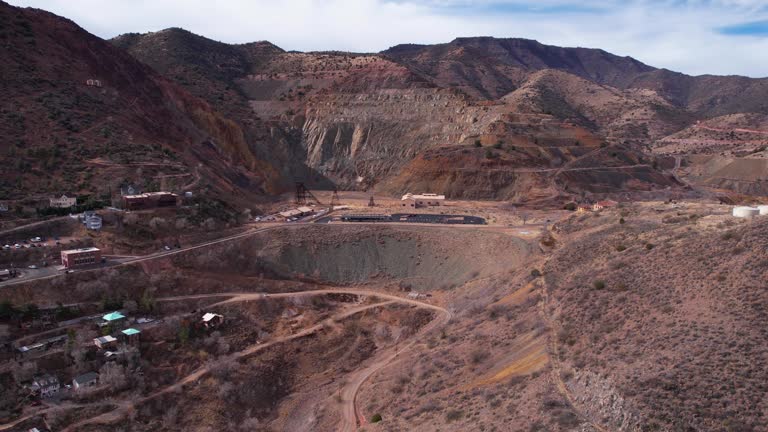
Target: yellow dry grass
518	297
529	356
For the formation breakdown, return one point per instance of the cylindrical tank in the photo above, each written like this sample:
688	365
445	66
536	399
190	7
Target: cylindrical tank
763	210
745	212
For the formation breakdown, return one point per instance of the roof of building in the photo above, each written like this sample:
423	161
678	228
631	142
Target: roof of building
607	203
45	380
113	316
130	332
105	339
290	213
305	209
86	377
209	316
80	250
150	195
426	196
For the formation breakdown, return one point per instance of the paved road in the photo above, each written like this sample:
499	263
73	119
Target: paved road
50	272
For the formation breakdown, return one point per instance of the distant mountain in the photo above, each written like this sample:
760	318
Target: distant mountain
358	120
247	120
489	67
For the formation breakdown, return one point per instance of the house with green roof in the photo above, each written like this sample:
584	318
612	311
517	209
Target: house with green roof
113	316
131	335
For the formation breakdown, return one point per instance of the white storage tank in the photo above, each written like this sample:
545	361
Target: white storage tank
763	210
745	212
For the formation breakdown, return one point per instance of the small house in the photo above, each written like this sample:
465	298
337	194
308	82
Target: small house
582	208
131	335
62	202
89	379
211	320
45	385
115	319
105	342
603	204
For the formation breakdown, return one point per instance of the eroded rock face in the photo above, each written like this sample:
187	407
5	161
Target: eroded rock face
598	399
373	135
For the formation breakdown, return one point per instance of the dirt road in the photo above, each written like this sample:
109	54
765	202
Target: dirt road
351	413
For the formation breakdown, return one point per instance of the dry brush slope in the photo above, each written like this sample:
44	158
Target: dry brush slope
662	319
54	124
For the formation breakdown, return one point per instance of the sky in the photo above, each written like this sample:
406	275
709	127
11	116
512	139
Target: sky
723	37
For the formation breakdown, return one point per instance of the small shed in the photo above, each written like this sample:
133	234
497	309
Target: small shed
105	342
211	320
89	379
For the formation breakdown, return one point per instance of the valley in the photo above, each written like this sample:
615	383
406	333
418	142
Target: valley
486	234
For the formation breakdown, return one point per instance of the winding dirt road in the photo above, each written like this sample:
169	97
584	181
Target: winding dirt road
351	413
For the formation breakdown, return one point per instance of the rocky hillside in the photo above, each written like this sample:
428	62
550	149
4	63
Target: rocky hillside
254	118
366	121
63	135
652	346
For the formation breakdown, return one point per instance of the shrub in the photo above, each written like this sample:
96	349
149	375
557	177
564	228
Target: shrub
598	284
649	246
621	248
478	355
535	273
570	206
376	418
489	154
478	143
622	221
453	415
498	145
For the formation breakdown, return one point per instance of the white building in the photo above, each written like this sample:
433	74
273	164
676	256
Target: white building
422	200
745	212
93	222
89	379
63	202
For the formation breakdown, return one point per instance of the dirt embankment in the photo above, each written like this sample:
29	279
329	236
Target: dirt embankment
422	258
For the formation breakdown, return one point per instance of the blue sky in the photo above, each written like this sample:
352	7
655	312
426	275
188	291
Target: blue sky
691	36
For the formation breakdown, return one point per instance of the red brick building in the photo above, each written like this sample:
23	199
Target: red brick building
150	200
80	257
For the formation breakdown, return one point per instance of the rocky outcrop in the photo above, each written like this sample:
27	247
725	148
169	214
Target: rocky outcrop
598	399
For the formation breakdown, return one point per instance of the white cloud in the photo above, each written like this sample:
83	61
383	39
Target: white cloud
676	34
